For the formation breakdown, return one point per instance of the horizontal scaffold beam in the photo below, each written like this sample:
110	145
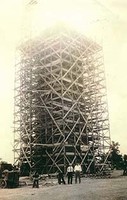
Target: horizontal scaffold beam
61	113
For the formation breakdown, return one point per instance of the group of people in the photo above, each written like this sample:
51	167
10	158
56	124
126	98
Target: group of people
70	172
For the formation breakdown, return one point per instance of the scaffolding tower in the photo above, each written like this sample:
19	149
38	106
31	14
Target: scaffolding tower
61	112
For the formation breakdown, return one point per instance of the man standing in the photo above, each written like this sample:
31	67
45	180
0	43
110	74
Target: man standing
36	180
61	178
70	173
77	170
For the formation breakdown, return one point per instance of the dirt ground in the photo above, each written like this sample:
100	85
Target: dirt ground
89	189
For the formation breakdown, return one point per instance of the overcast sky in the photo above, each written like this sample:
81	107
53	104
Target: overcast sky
113	28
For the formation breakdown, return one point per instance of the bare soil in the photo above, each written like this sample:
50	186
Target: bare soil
89	189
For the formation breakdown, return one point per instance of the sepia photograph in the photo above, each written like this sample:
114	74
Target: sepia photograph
63	100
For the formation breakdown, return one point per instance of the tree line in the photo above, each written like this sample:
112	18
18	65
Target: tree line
118	161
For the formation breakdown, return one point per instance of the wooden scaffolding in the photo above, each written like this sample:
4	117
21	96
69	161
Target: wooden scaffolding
61	112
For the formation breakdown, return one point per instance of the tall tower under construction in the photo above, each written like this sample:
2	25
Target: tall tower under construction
61	112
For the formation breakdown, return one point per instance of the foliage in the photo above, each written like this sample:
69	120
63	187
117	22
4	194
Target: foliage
115	147
3	162
115	157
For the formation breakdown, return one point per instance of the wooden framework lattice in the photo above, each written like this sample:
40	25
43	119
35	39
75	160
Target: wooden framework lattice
61	113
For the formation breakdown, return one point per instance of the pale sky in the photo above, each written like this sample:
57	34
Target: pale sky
80	13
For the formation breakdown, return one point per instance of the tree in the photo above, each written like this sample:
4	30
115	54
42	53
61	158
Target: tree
115	156
115	147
